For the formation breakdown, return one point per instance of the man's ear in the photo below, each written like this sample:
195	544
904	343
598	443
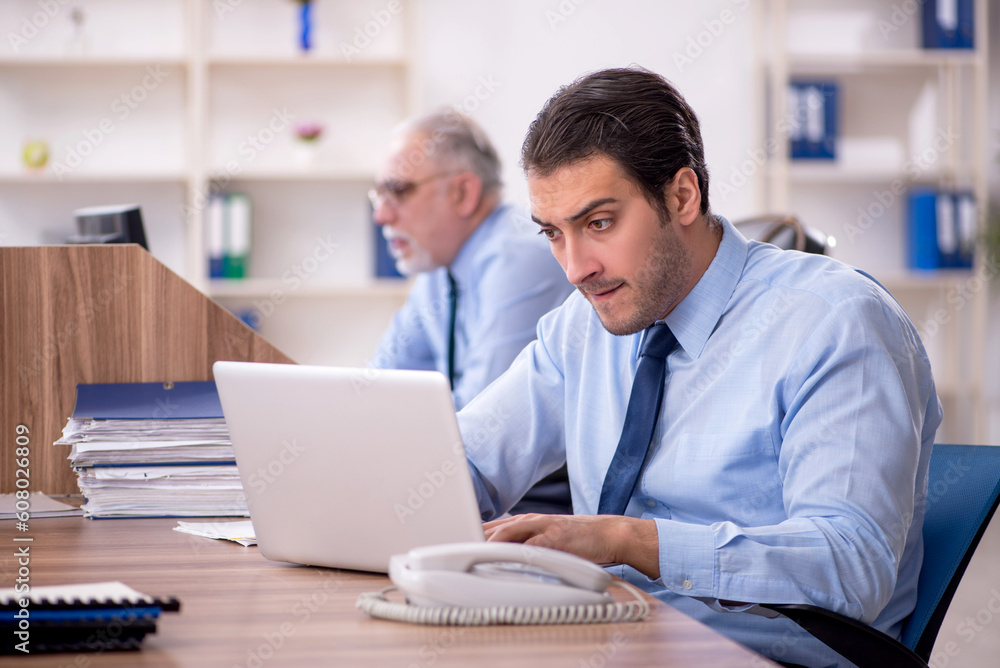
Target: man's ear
684	195
467	193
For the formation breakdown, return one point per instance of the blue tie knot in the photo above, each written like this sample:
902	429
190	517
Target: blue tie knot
660	341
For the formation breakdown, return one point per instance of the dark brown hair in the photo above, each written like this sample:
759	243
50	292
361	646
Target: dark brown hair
632	115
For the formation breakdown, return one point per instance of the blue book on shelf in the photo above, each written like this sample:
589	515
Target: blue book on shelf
145	401
814	119
922	233
385	265
948	24
966	25
796	134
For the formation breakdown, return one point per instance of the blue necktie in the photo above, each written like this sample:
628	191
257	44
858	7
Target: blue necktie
452	312
640	421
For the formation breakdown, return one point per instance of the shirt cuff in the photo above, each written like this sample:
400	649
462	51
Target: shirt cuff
487	508
687	558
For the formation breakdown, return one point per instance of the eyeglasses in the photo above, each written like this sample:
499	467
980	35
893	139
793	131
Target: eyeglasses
392	193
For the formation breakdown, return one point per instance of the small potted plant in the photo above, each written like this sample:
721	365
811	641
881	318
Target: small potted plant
307	136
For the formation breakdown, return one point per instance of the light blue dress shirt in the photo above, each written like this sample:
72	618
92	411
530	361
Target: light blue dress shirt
507	279
790	459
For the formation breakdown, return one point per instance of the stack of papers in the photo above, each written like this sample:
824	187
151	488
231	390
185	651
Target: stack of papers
153	450
147	442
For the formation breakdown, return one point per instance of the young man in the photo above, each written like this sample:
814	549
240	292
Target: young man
484	278
789	459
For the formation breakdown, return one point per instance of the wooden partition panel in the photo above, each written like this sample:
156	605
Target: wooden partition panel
97	314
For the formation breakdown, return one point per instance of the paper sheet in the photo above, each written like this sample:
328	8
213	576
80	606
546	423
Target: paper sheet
99	591
241	532
40	506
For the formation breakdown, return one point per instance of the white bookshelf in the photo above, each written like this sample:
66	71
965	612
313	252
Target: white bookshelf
201	78
261	287
907	117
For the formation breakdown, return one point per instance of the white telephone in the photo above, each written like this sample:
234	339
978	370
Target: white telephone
486	574
500	583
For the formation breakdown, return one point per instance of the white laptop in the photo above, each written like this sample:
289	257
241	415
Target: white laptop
346	467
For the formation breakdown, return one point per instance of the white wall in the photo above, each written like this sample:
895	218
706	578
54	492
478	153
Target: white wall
526	49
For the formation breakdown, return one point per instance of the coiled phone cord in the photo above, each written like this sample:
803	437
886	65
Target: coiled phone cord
375	604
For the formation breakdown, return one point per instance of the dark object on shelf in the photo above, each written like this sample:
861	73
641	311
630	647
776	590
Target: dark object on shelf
114	224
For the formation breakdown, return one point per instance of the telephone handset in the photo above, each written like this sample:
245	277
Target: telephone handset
500	583
490	574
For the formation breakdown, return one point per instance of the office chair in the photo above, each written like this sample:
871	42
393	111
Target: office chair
963	493
786	232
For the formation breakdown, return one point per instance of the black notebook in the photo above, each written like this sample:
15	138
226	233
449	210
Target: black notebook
101	616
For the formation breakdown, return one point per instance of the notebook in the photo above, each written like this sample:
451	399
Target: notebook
347	467
92	617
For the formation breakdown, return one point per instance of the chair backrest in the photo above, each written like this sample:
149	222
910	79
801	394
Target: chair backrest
963	490
786	232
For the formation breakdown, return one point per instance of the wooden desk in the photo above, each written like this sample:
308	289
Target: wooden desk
238	609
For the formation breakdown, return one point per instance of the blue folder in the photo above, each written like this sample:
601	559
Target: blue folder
941	229
922	234
385	264
814	126
948	24
146	401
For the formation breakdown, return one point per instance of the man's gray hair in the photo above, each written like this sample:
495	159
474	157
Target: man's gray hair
453	140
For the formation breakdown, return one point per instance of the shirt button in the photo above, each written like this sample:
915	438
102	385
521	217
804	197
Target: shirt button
687	584
651	503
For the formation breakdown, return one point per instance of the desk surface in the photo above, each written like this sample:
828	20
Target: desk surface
238	609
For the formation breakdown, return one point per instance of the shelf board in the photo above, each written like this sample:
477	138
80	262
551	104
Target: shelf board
305	60
801	63
831	172
262	287
93	61
48	177
936	280
297	174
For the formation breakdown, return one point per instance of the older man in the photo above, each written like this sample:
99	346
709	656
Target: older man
485	278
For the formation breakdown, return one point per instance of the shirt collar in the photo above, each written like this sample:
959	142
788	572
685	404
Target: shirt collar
694	319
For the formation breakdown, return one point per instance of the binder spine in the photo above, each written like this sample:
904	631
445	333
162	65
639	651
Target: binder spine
942	229
948	24
922	233
813	108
